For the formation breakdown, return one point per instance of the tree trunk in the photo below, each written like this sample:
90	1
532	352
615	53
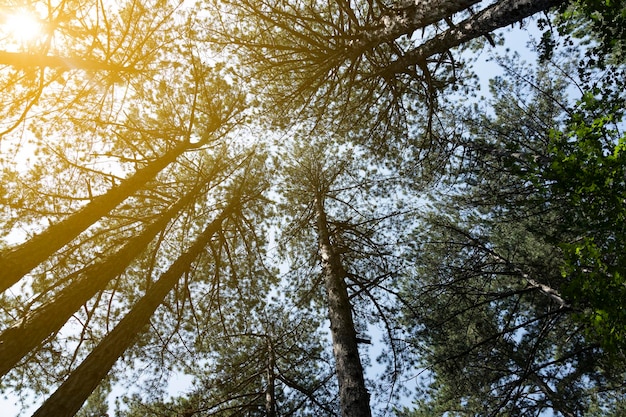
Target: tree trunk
70	396
18	340
270	391
353	396
403	19
18	261
496	16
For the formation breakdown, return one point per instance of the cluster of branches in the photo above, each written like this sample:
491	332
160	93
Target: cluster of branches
161	257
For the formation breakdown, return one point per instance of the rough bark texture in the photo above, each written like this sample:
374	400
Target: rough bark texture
270	391
18	340
501	14
70	396
18	261
406	18
353	395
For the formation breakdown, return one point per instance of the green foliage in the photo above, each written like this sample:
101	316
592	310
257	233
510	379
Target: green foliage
510	285
498	314
237	362
588	173
607	20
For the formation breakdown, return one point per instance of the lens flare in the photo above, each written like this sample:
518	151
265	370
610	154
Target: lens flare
22	27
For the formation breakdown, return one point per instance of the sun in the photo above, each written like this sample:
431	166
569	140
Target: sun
22	27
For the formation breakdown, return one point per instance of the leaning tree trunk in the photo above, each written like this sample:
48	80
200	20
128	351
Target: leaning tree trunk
28	333
353	396
18	261
406	17
496	16
70	396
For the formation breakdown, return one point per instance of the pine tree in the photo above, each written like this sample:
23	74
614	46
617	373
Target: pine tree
492	318
337	230
74	391
126	127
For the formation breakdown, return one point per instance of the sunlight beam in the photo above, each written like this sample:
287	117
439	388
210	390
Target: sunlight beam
21	27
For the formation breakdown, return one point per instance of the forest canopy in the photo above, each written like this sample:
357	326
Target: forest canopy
304	208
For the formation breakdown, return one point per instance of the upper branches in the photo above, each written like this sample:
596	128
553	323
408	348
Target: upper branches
334	58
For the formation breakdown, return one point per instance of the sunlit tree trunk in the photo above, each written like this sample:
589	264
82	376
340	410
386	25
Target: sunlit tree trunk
28	333
18	261
70	396
353	396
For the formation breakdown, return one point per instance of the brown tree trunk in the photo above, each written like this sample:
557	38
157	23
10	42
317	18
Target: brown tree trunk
353	396
496	16
18	261
270	391
70	396
18	340
405	17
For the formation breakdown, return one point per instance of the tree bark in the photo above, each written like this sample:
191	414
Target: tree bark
406	18
18	340
496	16
270	391
18	261
353	395
70	396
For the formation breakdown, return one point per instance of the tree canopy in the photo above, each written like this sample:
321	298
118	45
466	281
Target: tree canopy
308	208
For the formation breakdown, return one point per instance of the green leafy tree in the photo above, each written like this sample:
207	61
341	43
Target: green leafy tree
587	171
495	321
248	371
90	230
328	62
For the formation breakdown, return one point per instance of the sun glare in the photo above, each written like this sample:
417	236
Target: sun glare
22	27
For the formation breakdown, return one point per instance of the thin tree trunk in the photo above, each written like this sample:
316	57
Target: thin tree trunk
18	261
18	340
499	15
70	396
270	391
353	396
